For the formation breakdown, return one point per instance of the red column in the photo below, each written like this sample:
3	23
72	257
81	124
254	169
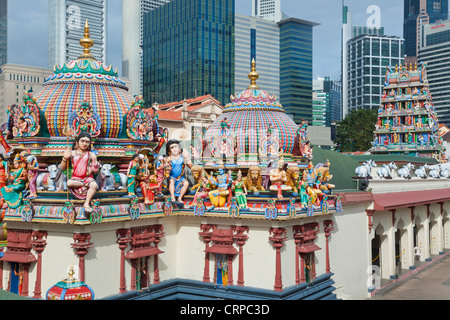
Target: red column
25	280
241	239
328	226
278	242
81	247
206	235
123	238
297	241
158	229
133	275
230	269
39	244
302	266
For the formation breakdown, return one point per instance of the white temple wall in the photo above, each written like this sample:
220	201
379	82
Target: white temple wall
350	259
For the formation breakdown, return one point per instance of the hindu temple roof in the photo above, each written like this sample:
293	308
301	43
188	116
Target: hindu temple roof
250	114
253	98
85	79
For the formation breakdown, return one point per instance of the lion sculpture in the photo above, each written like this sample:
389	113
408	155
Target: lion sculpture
197	172
253	181
293	177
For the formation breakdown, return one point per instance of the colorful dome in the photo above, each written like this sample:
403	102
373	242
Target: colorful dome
82	80
250	115
70	289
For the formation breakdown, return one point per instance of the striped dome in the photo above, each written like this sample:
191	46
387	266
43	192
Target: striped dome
249	115
82	80
250	126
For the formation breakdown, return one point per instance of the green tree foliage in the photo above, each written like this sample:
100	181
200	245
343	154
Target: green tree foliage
355	132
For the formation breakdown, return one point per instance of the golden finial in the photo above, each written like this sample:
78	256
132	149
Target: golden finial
396	68
253	76
87	43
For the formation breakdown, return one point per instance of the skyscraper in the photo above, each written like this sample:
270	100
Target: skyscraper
368	58
349	31
434	49
133	12
329	93
257	39
188	51
66	22
3	32
417	13
267	9
296	64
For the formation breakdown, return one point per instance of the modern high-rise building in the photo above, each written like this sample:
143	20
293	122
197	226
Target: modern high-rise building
349	31
368	58
296	66
329	93
267	9
283	54
417	13
133	12
258	39
320	104
434	51
188	51
66	21
3	32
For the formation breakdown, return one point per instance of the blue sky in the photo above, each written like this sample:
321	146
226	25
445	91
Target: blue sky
28	40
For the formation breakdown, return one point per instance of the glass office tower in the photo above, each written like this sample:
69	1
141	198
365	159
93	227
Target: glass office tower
188	51
3	32
417	13
368	58
434	51
296	66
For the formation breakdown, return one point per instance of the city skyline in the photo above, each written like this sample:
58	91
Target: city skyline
28	25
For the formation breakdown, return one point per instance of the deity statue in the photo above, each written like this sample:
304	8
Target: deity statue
160	173
278	179
33	169
12	194
135	165
177	159
84	163
148	184
240	191
223	183
204	187
4	170
303	186
84	119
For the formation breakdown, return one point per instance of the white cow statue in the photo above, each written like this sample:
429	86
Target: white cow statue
365	170
385	172
422	172
405	172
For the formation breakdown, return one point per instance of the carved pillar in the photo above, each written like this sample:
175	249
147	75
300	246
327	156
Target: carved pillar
133	274
328	226
123	239
426	227
278	242
81	247
206	234
39	244
241	239
158	229
370	217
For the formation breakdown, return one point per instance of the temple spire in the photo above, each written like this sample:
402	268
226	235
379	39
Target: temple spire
87	43
253	76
